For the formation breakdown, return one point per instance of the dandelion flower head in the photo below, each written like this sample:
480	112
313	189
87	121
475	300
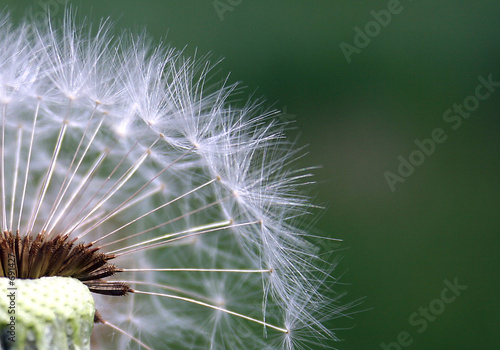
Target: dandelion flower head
183	214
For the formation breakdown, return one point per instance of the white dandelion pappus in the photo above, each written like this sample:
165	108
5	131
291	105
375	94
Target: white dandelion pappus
121	168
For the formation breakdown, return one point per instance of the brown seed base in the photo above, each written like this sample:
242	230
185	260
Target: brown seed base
34	257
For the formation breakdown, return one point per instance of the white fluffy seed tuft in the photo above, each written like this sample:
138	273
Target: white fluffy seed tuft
114	142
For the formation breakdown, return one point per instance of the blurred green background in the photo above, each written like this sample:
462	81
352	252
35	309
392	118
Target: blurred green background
442	222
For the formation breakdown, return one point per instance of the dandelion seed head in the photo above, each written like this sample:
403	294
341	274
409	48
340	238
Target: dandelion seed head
187	211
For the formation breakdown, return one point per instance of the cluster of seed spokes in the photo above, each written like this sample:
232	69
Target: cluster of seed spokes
35	257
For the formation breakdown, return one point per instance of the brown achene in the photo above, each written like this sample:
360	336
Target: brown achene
35	257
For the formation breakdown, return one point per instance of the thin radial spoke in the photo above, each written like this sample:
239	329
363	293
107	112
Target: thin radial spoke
67	178
2	171
325	238
48	176
116	186
149	194
16	174
154	210
197	270
164	223
111	193
91	220
108	178
79	188
99	216
183	237
127	334
30	152
121	182
124	203
172	289
214	307
215	225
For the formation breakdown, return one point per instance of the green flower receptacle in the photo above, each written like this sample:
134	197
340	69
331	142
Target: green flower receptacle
45	313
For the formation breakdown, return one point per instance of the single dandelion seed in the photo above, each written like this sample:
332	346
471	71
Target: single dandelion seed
140	209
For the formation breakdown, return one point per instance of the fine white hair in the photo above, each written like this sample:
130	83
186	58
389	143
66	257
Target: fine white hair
112	141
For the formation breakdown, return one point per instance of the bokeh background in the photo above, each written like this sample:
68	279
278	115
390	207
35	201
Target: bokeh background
442	222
